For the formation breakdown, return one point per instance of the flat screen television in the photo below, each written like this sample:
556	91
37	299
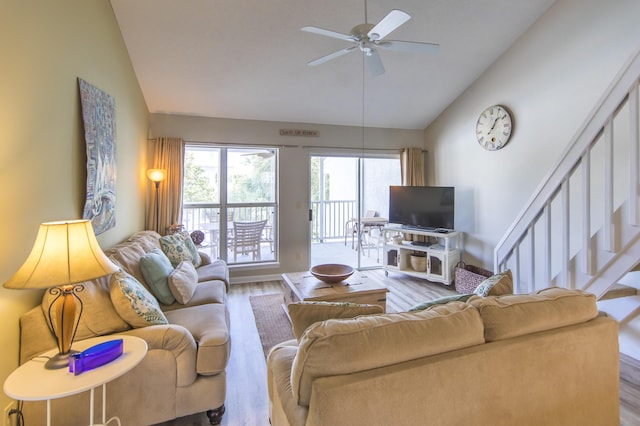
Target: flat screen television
425	207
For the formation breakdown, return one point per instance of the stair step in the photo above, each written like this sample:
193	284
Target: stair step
631	279
620	308
619	290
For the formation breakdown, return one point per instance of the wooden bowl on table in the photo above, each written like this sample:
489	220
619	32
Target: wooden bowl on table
331	273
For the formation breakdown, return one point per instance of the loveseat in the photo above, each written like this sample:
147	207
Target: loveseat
540	359
183	371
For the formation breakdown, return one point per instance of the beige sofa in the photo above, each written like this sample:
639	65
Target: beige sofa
540	359
184	369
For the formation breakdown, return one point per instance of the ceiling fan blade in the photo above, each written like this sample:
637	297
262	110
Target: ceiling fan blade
409	46
375	63
393	20
331	56
328	33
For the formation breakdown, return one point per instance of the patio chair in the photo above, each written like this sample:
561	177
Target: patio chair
246	238
350	228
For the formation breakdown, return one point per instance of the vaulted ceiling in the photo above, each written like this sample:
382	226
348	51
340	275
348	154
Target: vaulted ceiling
247	59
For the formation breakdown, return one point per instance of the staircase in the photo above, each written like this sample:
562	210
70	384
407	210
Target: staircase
581	228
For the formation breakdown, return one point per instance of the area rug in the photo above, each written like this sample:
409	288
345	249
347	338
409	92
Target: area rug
272	322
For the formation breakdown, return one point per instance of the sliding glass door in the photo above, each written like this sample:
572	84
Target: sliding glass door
349	205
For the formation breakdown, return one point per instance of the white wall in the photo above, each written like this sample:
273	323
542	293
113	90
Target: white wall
550	79
294	165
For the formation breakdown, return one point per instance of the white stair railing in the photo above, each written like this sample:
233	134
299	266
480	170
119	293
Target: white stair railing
580	228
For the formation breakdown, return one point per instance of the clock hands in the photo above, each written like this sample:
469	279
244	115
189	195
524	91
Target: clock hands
496	121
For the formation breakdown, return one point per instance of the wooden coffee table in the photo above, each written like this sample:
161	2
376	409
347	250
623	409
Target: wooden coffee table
361	287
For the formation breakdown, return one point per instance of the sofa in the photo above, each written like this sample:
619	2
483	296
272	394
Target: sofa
548	358
188	336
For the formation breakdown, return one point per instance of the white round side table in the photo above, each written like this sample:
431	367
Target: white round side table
32	382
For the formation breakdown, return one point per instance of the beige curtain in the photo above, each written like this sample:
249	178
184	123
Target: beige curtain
168	154
412	166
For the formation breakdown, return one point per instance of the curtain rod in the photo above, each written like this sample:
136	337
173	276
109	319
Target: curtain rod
355	148
250	145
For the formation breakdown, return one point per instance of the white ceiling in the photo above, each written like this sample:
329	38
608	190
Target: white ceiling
247	59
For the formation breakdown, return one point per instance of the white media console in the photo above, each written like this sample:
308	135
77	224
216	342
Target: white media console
441	249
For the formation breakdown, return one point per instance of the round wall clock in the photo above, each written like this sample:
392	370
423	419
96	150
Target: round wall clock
494	127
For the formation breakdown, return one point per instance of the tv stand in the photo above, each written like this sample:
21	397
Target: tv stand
441	249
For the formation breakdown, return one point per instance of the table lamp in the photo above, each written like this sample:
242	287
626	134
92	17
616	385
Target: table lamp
64	255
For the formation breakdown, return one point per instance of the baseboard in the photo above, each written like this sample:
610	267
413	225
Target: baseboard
630	369
255	279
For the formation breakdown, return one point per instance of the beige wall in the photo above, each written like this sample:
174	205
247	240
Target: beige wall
294	166
46	46
551	79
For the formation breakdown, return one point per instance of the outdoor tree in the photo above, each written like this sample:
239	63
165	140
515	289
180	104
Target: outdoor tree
197	185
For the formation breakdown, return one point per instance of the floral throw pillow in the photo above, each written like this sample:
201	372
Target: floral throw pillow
442	301
496	285
179	247
133	302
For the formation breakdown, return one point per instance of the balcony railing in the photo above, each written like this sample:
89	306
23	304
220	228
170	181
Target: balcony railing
330	217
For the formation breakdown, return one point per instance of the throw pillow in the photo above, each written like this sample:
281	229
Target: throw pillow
183	281
303	314
156	268
99	316
441	301
496	285
179	247
133	302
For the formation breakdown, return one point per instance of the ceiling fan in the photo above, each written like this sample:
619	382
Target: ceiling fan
369	38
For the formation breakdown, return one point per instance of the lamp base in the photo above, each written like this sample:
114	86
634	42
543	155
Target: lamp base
59	361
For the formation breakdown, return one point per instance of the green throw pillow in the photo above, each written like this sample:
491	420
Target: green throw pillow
441	301
496	285
179	247
156	268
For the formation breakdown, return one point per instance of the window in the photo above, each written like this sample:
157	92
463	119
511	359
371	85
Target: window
226	185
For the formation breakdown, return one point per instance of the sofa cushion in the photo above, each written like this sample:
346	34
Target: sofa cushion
156	269
99	316
510	316
210	328
496	285
183	282
147	239
133	302
179	247
442	301
345	346
303	314
127	256
206	292
215	270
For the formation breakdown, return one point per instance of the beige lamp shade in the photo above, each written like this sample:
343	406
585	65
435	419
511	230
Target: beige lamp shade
64	253
157	175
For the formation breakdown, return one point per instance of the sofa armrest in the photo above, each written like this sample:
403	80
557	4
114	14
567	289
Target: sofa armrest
205	259
175	339
35	336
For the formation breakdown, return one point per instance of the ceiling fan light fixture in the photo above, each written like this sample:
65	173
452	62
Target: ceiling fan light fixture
367	36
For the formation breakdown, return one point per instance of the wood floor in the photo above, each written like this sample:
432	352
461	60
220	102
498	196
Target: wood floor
247	402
